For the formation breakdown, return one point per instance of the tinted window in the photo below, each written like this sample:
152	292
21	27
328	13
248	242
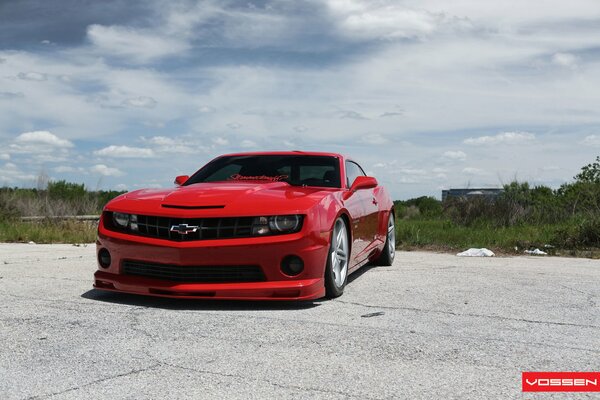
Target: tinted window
353	170
295	169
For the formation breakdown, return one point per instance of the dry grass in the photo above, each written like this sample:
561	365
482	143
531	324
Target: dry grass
48	231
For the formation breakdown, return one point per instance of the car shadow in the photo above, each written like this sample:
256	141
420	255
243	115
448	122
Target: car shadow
196	304
361	271
211	304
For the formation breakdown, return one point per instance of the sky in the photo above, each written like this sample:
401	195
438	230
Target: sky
425	95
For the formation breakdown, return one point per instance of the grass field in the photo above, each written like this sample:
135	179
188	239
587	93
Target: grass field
411	234
562	221
444	235
46	231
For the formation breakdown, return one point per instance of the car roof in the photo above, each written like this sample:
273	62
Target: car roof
293	152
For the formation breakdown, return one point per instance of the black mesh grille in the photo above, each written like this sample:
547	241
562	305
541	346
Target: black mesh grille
194	228
194	274
205	228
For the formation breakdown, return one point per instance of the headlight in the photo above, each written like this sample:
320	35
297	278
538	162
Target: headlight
284	223
121	220
124	221
276	224
133	222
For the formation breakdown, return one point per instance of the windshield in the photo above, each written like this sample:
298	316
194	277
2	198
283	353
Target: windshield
297	170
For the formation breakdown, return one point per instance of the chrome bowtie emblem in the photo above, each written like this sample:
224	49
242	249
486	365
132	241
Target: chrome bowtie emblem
184	229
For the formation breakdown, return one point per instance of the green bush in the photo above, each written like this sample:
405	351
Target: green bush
64	190
425	206
579	235
521	217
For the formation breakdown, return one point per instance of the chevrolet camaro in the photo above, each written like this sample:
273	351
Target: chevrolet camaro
266	226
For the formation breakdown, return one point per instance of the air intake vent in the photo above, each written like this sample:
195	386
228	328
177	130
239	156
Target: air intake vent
194	274
191	207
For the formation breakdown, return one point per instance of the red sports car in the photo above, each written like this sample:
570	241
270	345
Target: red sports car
267	226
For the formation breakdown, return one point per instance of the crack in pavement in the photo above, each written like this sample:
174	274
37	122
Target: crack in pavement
134	319
132	372
46	277
50	304
267	381
590	296
532	321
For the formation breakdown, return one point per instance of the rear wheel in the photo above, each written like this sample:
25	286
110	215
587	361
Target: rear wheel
389	250
336	270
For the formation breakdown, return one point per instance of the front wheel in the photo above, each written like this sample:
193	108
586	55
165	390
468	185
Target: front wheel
336	270
389	250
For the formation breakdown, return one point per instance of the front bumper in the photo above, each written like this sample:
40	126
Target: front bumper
303	289
265	252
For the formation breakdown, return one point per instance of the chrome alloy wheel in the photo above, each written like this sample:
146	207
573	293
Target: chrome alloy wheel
338	254
391	237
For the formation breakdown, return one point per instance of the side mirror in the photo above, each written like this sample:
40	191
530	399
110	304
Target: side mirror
181	179
363	182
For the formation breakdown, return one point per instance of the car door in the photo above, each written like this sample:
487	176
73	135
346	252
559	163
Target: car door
371	211
363	211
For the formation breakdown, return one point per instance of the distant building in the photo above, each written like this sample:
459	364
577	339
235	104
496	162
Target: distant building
471	192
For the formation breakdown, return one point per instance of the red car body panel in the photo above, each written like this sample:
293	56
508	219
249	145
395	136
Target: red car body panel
366	211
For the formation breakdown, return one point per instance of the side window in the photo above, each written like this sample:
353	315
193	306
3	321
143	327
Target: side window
353	170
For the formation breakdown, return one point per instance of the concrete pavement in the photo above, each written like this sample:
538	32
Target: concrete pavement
431	326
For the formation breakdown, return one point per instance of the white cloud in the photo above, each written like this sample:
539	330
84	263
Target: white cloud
220	141
124	152
591	140
234	125
43	145
160	140
501	138
351	115
388	114
10	173
247	144
44	138
4	156
64	169
390	164
412	171
140	102
140	46
121	187
32	76
206	109
104	170
11	95
473	171
455	155
382	20
300	129
181	145
373	139
565	60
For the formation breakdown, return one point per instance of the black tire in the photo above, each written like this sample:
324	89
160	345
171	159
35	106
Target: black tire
336	272
386	258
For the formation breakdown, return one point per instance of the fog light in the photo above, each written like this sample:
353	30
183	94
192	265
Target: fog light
292	265
104	258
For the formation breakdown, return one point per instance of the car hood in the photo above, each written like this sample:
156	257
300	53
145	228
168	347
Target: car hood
222	198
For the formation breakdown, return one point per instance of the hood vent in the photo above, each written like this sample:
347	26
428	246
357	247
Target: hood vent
191	207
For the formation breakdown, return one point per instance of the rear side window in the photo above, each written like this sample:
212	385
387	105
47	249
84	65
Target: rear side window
353	171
